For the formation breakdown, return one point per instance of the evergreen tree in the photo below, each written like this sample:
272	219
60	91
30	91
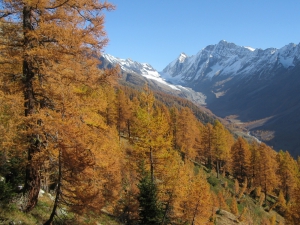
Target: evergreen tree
150	208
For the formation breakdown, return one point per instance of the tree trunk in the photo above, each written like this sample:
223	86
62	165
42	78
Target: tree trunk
167	208
32	180
151	165
58	191
128	129
195	211
218	169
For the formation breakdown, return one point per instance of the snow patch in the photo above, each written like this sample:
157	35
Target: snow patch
249	48
182	57
286	62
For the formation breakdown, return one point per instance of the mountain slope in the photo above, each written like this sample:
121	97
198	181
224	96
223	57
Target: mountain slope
227	59
140	73
250	84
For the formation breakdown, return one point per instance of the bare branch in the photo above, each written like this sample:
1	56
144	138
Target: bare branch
55	7
6	14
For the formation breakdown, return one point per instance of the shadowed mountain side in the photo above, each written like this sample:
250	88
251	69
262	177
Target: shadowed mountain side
255	99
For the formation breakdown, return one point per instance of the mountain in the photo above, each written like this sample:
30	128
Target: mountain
258	88
138	74
229	60
255	90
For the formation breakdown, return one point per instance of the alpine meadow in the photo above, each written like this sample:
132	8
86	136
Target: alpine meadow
83	142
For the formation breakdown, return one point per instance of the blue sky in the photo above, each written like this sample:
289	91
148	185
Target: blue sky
156	31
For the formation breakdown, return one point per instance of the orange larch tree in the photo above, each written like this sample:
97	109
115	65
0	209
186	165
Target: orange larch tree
287	172
221	146
266	178
57	45
207	144
240	154
192	202
186	133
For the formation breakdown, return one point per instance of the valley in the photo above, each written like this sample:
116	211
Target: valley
260	87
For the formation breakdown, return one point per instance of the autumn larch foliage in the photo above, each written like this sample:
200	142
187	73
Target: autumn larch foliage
240	154
66	124
52	63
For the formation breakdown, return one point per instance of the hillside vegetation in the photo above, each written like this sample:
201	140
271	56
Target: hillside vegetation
188	170
77	149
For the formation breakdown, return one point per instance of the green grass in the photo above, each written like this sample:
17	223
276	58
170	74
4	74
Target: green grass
254	212
40	214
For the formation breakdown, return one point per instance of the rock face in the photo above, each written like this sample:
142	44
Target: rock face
252	84
225	60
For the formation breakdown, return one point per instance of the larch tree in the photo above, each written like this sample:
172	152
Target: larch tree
124	113
111	110
234	207
174	113
151	133
266	178
221	149
254	163
287	172
240	154
207	144
293	215
186	133
56	49
192	198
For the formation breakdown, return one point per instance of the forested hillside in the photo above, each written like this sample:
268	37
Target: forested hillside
69	132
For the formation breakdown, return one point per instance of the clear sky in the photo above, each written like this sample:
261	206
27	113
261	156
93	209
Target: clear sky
157	31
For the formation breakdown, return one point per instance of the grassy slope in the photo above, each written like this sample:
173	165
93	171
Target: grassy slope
254	215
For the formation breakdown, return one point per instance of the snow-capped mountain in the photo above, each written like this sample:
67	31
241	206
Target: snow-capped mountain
228	60
145	70
251	84
261	86
132	66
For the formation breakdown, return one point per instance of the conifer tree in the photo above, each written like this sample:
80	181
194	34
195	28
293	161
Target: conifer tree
151	130
124	113
267	175
254	163
287	172
207	144
234	208
273	220
222	203
240	158
236	187
150	208
174	120
221	149
186	133
293	214
244	188
56	48
192	201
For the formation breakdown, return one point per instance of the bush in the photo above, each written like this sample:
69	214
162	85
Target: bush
213	181
6	191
